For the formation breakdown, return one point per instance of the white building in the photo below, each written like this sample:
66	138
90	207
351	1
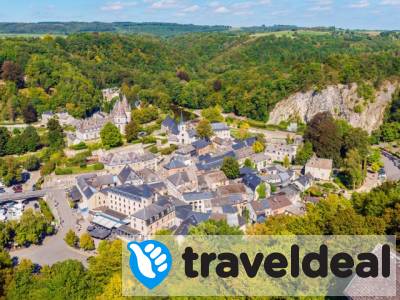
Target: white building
278	152
319	168
221	130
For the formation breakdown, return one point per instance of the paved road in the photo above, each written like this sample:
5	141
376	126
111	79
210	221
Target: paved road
54	248
24	195
390	164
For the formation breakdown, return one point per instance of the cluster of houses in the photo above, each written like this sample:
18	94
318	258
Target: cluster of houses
143	193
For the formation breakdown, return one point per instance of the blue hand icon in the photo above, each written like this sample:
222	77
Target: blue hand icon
150	262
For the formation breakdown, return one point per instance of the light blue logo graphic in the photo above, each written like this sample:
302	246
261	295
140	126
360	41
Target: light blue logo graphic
150	262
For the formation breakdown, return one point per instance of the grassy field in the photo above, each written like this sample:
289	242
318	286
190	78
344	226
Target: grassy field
290	33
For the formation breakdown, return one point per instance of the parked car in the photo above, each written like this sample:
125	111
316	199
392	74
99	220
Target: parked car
382	174
2	190
17	188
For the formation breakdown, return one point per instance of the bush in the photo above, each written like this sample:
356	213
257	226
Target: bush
44	208
149	140
80	146
47	168
86	242
32	163
98	166
153	149
71	238
64	171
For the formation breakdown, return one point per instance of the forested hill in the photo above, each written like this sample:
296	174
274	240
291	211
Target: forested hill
244	73
161	29
153	28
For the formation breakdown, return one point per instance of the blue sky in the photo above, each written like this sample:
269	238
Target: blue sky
363	14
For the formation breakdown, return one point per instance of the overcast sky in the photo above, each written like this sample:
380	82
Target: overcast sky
362	14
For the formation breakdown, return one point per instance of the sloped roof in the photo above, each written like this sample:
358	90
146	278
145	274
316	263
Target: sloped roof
178	179
127	174
219	126
175	164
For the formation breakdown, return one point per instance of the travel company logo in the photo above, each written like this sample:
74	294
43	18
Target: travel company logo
150	262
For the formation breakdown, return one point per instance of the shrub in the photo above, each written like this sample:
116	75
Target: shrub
80	146
64	171
98	166
44	208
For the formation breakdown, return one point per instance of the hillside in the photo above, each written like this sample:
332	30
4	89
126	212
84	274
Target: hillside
342	101
244	73
154	28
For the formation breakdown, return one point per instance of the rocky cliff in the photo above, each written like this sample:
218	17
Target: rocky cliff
341	100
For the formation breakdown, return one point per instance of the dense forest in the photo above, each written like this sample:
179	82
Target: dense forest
154	28
161	29
244	73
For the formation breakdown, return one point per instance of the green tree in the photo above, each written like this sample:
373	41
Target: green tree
29	113
204	129
258	147
353	170
249	163
10	171
262	190
86	242
304	153
323	133
286	161
32	163
212	227
55	135
71	238
213	114
230	167
31	228
30	139
4	138
110	136
132	130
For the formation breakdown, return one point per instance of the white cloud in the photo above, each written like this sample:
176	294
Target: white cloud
162	4
321	5
263	2
115	6
360	4
243	5
390	2
192	8
221	10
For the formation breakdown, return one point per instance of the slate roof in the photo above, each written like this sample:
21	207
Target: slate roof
200	144
175	164
127	174
244	143
260	206
245	170
196	196
252	181
219	126
74	194
190	218
178	179
208	162
171	125
123	158
153	211
133	192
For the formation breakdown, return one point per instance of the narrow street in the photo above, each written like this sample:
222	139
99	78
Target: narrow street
391	164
